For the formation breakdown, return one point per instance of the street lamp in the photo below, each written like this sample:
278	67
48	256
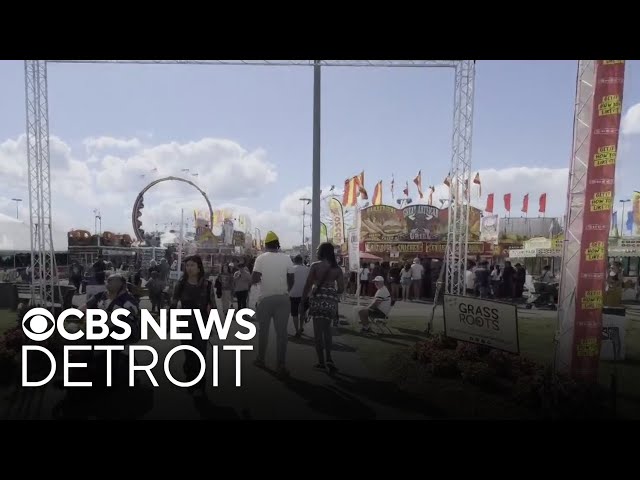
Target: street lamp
258	237
306	201
17	200
622	219
97	220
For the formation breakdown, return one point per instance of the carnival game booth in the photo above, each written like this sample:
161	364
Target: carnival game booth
626	250
401	234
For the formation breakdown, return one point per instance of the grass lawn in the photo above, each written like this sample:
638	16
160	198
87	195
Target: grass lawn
7	320
536	332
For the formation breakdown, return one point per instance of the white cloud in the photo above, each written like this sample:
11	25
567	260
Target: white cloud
104	142
630	124
231	176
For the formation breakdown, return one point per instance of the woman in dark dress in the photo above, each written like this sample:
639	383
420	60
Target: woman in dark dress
194	291
321	287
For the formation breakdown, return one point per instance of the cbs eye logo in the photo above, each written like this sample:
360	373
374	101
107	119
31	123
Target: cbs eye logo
35	324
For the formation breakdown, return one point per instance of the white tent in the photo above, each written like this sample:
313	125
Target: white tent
15	236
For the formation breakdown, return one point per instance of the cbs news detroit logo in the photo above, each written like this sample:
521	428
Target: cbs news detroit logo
112	333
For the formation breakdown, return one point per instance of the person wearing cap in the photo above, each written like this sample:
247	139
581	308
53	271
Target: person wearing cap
417	270
271	271
379	307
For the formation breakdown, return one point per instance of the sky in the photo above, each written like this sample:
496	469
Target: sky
247	133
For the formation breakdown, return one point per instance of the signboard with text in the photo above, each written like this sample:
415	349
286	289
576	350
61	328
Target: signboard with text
485	322
599	196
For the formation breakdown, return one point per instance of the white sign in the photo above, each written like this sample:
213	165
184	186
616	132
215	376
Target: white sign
489	323
354	250
174	275
490	228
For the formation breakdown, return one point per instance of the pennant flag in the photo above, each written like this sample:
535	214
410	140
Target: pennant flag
362	192
476	180
406	190
489	207
349	196
447	180
507	202
377	194
323	233
630	222
525	204
393	182
432	189
418	182
543	203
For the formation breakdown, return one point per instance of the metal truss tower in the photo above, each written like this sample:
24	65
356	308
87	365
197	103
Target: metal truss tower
575	212
459	191
43	269
42	255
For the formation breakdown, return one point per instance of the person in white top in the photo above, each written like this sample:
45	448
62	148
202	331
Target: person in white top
364	280
271	271
300	273
417	270
379	308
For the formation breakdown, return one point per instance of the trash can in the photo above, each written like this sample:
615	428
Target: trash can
614	327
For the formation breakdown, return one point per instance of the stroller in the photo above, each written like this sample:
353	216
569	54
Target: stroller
544	296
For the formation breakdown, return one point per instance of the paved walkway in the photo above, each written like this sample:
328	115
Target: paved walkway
352	393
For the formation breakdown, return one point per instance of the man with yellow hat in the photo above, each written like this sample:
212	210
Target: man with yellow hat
271	271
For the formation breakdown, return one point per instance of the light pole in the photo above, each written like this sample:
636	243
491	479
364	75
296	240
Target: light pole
306	201
259	238
17	200
622	219
97	220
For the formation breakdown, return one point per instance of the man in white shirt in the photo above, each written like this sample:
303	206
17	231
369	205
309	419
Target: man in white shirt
417	271
271	271
379	308
300	273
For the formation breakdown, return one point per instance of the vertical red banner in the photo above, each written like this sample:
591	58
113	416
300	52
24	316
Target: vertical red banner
599	195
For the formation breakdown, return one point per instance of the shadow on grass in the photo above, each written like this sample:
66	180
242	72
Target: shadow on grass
209	411
24	404
328	401
384	338
387	393
122	403
414	334
310	342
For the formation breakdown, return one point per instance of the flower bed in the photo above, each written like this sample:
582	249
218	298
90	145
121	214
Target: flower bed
479	381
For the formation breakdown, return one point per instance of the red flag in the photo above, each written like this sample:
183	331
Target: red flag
418	182
406	190
507	202
543	203
525	203
447	180
489	207
476	180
